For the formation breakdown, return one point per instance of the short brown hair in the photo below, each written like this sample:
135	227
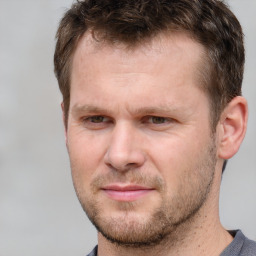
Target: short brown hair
209	22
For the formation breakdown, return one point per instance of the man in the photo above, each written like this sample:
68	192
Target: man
152	109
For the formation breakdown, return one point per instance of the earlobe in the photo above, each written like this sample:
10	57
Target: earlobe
233	123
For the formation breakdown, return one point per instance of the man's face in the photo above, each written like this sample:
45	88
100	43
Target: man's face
139	137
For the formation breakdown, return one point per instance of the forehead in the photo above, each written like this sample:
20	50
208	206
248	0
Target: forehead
177	45
165	63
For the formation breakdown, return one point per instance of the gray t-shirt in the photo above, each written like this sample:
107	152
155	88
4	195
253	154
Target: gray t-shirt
240	246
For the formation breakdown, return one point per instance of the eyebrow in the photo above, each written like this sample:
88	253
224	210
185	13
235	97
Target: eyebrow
76	109
163	110
155	110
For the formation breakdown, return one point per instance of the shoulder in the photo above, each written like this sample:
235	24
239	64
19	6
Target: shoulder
240	246
249	248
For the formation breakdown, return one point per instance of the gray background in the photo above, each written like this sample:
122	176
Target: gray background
39	212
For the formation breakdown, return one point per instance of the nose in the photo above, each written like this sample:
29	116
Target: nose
124	151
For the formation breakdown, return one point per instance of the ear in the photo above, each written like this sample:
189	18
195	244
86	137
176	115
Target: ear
232	125
64	120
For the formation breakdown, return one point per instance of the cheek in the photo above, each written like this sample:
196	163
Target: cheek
86	154
174	157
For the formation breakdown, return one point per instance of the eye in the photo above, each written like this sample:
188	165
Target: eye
157	120
96	122
96	119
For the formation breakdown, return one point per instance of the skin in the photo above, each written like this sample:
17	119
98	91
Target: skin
139	121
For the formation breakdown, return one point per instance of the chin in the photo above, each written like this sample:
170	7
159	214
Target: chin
131	229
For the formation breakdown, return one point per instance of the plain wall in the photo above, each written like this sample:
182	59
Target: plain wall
39	212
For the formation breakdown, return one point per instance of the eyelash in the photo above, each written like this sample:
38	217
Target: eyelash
96	117
102	121
157	119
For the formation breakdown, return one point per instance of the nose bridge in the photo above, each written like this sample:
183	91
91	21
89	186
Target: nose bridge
124	151
122	137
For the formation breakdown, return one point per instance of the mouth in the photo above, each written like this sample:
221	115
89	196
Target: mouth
126	193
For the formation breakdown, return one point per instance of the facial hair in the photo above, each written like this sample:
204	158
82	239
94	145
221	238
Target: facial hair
175	210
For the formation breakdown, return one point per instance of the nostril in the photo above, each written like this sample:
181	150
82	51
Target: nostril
128	167
124	161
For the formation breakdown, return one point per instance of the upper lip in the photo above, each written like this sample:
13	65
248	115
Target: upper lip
125	187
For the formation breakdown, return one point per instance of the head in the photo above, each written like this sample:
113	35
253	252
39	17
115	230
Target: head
209	22
150	102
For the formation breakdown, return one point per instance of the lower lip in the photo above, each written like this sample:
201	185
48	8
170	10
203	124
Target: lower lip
128	195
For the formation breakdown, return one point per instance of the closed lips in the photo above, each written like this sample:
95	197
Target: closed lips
126	193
